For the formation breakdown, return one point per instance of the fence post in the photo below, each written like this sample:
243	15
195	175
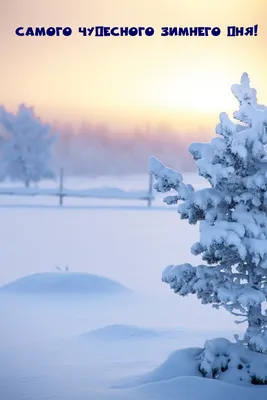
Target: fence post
61	178
150	189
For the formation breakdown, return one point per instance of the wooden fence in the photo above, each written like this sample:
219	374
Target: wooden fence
100	193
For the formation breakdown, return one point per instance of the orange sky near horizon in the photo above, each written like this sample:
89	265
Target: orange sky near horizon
126	81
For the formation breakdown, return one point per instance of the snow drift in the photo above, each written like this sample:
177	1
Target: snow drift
179	363
119	332
75	283
220	360
193	388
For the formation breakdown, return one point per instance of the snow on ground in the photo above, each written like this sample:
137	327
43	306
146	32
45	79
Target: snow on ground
68	283
119	332
42	354
228	361
194	388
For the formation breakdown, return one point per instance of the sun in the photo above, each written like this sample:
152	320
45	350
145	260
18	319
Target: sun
201	91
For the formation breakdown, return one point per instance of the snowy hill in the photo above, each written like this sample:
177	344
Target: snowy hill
228	362
121	332
193	388
64	283
179	363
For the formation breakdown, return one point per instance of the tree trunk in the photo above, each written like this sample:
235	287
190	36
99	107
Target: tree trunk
255	325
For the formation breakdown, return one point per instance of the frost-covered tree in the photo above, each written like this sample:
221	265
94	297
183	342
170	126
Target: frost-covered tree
26	149
232	216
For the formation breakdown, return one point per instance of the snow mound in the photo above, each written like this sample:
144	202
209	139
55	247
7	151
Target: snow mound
196	388
64	283
121	332
180	363
219	360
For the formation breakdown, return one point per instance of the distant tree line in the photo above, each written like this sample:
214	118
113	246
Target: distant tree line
30	151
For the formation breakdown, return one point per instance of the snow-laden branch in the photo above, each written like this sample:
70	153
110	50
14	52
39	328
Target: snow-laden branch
168	179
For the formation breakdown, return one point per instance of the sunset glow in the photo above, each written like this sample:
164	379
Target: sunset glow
130	80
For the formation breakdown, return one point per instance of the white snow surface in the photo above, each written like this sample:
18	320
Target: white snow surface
42	354
122	332
66	283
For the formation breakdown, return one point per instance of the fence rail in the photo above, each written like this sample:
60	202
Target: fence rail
97	193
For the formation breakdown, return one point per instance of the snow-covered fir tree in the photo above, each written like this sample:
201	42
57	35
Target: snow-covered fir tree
232	217
26	148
